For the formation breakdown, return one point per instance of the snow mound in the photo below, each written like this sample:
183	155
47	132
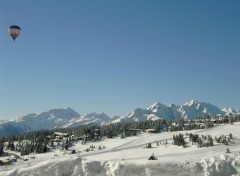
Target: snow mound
211	166
81	167
215	166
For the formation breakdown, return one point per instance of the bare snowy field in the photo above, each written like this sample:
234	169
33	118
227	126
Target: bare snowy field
129	157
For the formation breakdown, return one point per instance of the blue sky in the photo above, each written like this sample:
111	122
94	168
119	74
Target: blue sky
114	56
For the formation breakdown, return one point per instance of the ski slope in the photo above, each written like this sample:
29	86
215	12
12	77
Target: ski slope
129	156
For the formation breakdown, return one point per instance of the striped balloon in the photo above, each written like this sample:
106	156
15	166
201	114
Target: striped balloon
14	31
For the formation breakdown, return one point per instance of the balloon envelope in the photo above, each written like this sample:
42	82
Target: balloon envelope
14	31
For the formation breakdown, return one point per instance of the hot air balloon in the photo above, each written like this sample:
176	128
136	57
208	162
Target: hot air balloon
14	31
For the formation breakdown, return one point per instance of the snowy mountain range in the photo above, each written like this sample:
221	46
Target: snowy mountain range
189	110
67	117
46	120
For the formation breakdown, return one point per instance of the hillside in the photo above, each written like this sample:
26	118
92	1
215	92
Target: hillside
129	156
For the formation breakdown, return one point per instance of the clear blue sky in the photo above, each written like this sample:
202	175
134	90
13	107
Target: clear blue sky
114	56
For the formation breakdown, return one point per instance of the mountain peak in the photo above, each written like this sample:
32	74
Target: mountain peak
156	106
62	113
192	103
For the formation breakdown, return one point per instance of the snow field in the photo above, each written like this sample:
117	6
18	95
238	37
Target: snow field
128	156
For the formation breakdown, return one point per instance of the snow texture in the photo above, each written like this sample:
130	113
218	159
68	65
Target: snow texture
214	166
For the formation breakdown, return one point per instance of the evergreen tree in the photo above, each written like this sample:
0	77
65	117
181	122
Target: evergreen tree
179	140
66	145
200	143
227	151
149	145
1	146
11	146
210	141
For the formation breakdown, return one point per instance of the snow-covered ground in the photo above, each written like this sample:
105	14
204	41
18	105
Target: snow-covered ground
128	156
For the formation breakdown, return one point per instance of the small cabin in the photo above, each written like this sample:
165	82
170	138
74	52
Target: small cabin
5	162
152	157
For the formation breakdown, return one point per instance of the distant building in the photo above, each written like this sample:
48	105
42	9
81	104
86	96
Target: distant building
134	131
5	162
60	136
151	131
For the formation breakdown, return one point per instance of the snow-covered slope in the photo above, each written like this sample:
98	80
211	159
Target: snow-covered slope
46	120
189	110
97	118
128	156
162	111
193	109
137	115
